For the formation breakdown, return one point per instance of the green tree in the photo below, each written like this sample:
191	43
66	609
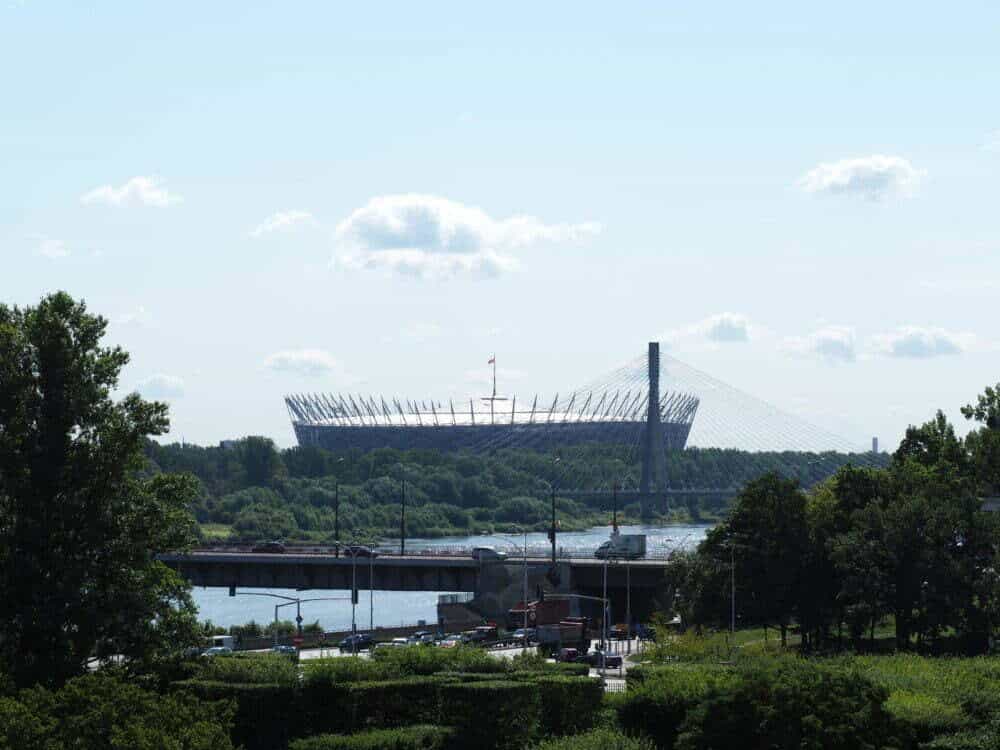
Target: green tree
79	528
260	461
984	443
767	535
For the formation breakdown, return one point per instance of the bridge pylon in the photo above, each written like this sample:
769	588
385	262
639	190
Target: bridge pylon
653	464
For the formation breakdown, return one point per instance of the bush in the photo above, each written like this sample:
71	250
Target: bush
569	704
266	715
408	738
250	669
103	711
342	669
414	661
921	718
790	703
491	714
983	738
658	706
394	703
599	739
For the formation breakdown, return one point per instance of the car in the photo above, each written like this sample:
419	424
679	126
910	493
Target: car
273	547
524	634
483	554
217	651
421	637
283	649
597	659
356	642
359	550
452	642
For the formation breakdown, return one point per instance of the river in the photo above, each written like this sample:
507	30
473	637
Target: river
393	608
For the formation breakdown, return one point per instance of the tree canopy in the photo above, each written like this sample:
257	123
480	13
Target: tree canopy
80	527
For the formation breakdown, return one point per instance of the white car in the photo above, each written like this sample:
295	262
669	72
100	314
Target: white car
483	554
217	651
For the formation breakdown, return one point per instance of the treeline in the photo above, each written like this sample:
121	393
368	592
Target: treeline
261	492
909	545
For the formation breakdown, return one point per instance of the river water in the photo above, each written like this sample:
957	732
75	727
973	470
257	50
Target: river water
393	608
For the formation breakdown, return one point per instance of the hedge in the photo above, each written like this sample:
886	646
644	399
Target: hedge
569	704
394	703
408	738
658	705
500	714
266	715
249	669
598	739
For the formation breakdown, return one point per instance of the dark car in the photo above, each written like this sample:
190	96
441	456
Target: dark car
356	642
598	659
281	649
359	550
272	547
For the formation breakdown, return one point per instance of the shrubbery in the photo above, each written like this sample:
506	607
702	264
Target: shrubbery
498	714
250	669
102	711
408	738
598	739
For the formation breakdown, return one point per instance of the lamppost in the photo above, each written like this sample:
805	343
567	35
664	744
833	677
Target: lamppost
552	529
289	600
354	550
402	519
336	514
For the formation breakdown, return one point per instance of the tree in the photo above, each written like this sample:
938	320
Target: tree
260	461
984	443
766	534
79	527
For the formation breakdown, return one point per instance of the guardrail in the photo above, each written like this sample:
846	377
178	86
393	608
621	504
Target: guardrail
444	552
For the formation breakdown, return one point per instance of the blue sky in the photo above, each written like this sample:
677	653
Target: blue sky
265	198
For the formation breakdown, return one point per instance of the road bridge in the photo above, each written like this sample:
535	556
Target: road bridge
440	572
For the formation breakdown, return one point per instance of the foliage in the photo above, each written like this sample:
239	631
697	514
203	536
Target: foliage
492	714
788	703
79	528
393	703
266	717
103	711
657	707
909	542
401	662
307	489
420	737
569	704
598	739
250	669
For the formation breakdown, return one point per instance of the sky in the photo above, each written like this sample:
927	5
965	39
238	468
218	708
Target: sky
265	198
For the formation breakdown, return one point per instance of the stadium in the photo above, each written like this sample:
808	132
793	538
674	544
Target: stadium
608	412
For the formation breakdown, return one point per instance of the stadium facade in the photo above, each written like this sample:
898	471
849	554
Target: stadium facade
344	421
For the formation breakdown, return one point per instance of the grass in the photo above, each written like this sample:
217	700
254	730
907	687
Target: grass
215	531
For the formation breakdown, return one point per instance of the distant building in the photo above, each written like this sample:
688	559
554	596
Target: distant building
874	445
229	445
340	422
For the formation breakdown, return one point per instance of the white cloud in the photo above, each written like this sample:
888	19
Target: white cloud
872	177
831	343
425	235
920	343
162	386
281	220
145	191
722	328
51	248
309	362
138	315
726	328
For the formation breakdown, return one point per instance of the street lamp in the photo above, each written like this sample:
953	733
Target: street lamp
336	513
289	600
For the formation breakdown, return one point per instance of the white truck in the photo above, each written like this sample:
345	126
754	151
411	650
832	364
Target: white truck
622	547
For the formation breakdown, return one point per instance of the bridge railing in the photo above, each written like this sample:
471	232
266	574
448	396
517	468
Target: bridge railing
443	552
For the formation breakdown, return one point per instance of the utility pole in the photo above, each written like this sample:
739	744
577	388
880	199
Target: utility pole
402	520
336	519
552	529
732	588
614	512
